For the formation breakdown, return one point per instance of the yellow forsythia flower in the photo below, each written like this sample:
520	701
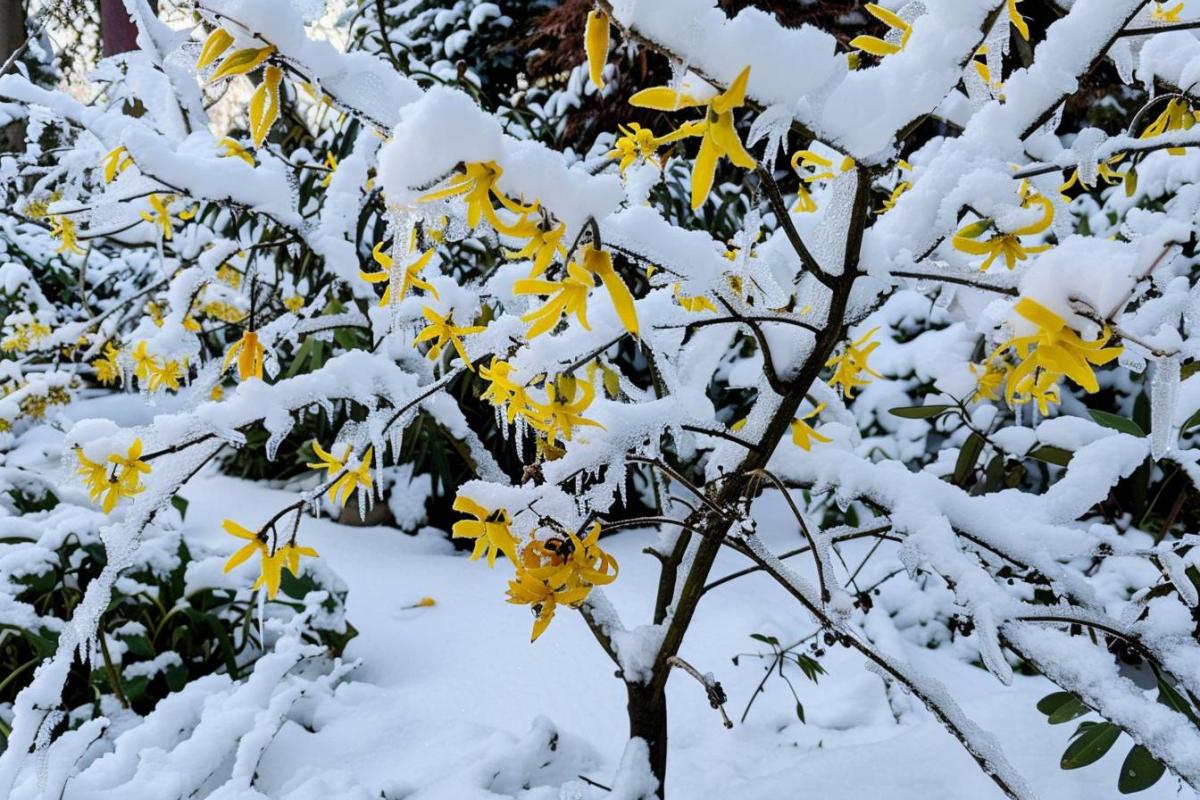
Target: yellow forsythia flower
637	142
989	377
1161	14
1054	350
565	297
160	214
694	303
569	296
233	148
331	163
560	570
412	275
545	242
249	354
64	229
117	161
271	563
442	331
1018	21
1005	244
489	529
719	138
803	434
477	185
346	478
505	393
1177	116
108	371
122	479
850	366
567	398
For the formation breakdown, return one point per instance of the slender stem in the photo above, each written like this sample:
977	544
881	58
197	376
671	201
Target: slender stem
1011	291
882	533
740	318
784	216
114	680
719	434
818	562
654	462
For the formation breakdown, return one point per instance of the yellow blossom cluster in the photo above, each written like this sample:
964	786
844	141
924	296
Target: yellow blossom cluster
115	478
551	571
155	372
1042	359
272	560
24	335
567	399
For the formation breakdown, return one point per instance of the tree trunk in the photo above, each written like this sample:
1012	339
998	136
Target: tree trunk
12	27
118	34
12	37
648	721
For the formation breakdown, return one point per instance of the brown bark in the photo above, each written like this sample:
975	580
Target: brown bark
12	37
118	34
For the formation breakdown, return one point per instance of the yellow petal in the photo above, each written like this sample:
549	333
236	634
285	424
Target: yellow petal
662	98
703	172
874	45
1043	223
217	42
735	95
621	298
725	137
887	17
595	43
1017	20
264	105
241	61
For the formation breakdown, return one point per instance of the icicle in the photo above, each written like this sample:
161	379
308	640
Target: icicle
945	297
274	440
1176	571
987	639
1164	394
615	467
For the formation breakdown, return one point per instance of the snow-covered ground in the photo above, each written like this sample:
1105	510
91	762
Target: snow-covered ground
452	701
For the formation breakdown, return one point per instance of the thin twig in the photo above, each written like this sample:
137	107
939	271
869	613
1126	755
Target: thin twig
783	215
716	694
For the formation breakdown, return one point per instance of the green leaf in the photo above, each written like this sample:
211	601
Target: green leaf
919	412
1093	740
138	646
964	468
1054	701
800	712
1117	423
180	505
1140	771
1072	709
771	640
1052	455
1192	422
1169	697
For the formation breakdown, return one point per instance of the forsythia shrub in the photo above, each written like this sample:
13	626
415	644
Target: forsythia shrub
888	280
